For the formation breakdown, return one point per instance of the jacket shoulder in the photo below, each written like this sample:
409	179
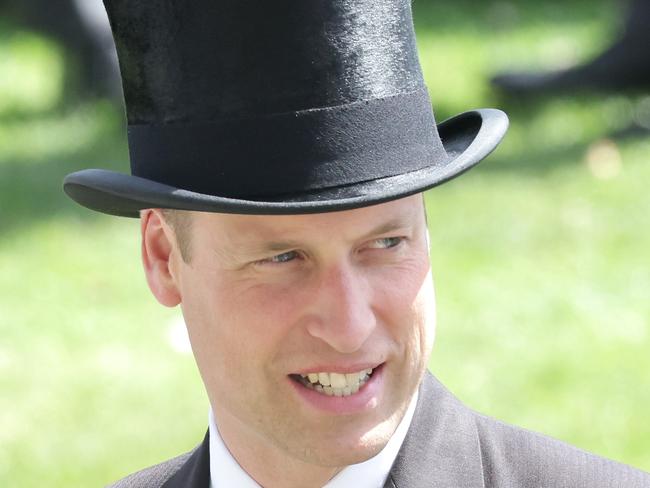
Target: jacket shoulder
153	476
515	457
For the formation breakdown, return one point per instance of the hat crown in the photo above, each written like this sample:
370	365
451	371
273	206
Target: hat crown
206	60
276	107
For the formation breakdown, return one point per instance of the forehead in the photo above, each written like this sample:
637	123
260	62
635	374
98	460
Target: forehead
405	212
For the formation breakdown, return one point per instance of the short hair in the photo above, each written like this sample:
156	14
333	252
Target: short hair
181	223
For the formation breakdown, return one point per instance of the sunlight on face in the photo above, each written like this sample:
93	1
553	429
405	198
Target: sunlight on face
269	300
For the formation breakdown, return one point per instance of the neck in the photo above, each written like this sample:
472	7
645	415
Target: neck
269	466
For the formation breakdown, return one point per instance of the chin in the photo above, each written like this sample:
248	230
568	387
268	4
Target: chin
341	456
354	449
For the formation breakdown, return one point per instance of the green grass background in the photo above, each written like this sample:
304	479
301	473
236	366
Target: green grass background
540	257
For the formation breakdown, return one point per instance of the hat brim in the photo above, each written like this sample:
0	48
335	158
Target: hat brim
467	138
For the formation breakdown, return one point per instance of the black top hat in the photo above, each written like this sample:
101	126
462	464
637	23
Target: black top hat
276	107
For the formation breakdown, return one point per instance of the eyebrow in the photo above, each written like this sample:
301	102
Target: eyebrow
279	245
386	227
390	226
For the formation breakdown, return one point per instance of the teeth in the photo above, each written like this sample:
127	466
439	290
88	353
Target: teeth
352	378
337	380
336	384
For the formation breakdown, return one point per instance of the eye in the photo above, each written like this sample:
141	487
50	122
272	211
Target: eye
386	242
285	257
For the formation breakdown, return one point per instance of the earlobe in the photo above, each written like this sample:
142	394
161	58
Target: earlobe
157	258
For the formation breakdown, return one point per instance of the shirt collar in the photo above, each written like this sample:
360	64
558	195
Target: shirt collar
225	472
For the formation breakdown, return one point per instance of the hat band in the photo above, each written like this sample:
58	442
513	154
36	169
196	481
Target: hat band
291	152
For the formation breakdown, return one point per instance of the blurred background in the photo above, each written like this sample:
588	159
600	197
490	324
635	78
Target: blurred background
540	255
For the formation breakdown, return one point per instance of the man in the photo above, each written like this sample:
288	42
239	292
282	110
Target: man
278	155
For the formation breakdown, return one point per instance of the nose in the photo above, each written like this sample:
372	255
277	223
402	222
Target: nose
343	315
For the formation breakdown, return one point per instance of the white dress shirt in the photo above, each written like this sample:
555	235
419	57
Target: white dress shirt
226	473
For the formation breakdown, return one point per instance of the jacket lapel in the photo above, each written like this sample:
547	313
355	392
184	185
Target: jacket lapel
441	448
195	473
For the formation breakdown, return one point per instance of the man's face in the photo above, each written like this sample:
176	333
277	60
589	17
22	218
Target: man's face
271	300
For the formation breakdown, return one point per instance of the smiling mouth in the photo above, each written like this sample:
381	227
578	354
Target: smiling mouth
334	384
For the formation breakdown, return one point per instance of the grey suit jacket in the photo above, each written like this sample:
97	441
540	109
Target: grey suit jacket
447	446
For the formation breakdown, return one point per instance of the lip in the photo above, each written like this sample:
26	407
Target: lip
367	398
343	369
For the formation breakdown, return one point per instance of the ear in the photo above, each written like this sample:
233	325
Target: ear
158	257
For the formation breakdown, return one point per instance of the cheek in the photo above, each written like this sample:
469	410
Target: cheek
403	288
426	311
407	306
218	332
231	323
